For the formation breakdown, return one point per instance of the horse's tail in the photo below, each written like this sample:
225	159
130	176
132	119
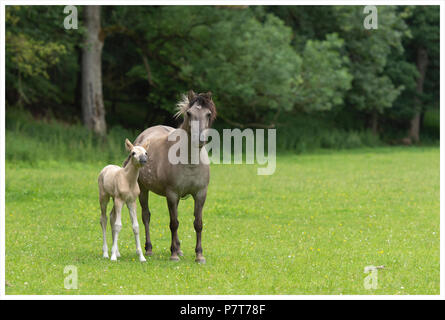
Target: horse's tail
126	161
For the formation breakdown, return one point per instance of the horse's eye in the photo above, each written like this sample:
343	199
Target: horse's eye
208	115
189	113
133	153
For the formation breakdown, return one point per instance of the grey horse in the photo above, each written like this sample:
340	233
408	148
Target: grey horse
176	181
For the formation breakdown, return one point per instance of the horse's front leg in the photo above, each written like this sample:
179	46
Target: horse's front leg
172	202
134	221
200	199
143	200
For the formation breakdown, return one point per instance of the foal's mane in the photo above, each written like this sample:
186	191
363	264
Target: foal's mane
202	99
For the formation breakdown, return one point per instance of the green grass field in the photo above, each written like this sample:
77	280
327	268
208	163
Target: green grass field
310	228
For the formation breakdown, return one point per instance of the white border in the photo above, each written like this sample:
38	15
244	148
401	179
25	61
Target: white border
202	297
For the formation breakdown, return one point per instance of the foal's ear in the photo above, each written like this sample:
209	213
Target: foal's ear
128	145
209	95
146	145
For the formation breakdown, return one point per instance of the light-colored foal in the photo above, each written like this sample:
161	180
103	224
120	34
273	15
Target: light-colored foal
122	185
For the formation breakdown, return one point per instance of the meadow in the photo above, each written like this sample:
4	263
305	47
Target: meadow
311	228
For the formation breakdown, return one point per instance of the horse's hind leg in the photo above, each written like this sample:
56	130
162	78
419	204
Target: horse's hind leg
103	199
146	214
112	218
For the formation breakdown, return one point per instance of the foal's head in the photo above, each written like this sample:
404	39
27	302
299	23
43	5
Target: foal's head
200	109
138	154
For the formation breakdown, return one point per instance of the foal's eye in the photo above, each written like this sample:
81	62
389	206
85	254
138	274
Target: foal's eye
133	153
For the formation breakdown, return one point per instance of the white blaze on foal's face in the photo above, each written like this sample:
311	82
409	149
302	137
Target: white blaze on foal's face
139	156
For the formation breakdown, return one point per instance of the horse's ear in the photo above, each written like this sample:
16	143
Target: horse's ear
209	95
191	95
128	145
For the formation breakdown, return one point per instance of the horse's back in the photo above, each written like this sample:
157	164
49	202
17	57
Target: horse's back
153	133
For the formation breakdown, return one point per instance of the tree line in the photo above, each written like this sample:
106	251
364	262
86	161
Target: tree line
266	65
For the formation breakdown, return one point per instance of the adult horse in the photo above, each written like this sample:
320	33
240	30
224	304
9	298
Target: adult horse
175	181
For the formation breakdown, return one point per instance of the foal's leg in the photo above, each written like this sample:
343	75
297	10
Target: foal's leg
172	202
112	214
103	199
134	221
143	200
116	224
200	199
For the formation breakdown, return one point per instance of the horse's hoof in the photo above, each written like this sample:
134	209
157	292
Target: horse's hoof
148	253
105	255
142	259
113	258
180	253
174	258
201	260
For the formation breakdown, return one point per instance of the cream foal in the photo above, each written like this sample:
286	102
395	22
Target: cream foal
122	185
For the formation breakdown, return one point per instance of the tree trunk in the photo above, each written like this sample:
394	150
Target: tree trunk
422	64
93	109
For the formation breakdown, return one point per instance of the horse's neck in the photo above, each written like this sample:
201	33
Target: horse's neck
184	126
190	148
131	173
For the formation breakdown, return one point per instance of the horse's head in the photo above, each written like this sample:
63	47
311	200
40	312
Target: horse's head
199	112
138	154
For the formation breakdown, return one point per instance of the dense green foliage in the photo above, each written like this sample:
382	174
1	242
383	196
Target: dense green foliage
311	228
279	66
401	67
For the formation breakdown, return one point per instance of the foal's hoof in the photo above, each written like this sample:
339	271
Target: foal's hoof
180	253
142	259
201	260
149	253
113	258
174	258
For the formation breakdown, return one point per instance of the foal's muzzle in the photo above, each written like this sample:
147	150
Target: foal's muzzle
143	160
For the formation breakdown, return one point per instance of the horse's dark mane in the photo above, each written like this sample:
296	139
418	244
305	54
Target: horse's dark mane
203	99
